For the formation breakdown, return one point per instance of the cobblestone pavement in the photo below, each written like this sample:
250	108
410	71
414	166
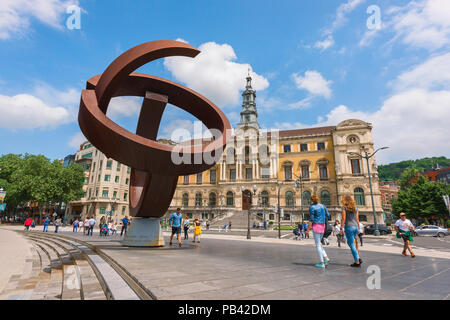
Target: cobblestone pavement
226	266
231	267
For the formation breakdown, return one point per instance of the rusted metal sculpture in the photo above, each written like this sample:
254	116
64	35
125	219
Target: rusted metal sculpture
153	175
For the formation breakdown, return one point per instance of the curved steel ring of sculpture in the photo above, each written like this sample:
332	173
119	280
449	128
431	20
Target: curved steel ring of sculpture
154	174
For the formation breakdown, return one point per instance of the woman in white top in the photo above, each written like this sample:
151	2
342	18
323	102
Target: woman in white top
80	225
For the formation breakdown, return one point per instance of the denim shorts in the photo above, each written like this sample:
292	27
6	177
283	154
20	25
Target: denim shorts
176	230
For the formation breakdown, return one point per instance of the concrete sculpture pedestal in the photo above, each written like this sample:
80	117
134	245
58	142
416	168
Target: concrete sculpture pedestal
144	232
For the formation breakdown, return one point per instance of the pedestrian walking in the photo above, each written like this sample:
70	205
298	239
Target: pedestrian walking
46	223
28	223
101	224
404	227
80	225
57	223
229	225
327	233
299	227
186	225
114	228
305	227
91	226
175	222
125	223
337	233
75	225
225	227
87	226
361	233
207	224
318	215
198	230
350	224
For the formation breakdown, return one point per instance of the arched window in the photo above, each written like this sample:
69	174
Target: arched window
325	198
265	198
289	199
198	199
185	200
359	197
306	198
230	198
212	199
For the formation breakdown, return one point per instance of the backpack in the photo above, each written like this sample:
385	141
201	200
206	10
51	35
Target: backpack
328	226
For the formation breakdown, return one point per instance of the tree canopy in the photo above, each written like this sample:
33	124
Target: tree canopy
422	199
393	171
35	178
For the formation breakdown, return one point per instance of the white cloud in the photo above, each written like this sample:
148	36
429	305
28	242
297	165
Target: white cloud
412	123
76	140
424	24
124	107
325	44
182	130
340	19
434	73
302	104
214	74
421	24
314	83
24	111
15	15
43	107
341	14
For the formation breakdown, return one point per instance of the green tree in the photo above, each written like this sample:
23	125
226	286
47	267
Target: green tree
406	177
35	178
421	199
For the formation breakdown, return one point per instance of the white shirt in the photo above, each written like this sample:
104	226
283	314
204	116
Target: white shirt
361	228
337	229
404	225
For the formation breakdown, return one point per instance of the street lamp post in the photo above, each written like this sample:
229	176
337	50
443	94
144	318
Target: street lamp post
299	184
367	156
249	197
279	212
112	202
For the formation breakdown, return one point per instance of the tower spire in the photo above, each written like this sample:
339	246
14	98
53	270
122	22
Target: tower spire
249	114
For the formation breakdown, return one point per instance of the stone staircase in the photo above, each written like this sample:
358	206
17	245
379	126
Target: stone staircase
55	270
239	220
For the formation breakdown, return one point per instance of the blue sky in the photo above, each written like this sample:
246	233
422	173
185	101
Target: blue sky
314	63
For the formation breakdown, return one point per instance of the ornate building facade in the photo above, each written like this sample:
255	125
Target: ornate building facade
263	165
106	186
257	168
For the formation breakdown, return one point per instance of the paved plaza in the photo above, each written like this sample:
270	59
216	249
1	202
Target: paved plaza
228	266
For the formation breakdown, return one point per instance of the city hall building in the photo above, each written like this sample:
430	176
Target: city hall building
258	168
256	172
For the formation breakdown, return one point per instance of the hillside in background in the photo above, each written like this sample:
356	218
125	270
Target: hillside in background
393	171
